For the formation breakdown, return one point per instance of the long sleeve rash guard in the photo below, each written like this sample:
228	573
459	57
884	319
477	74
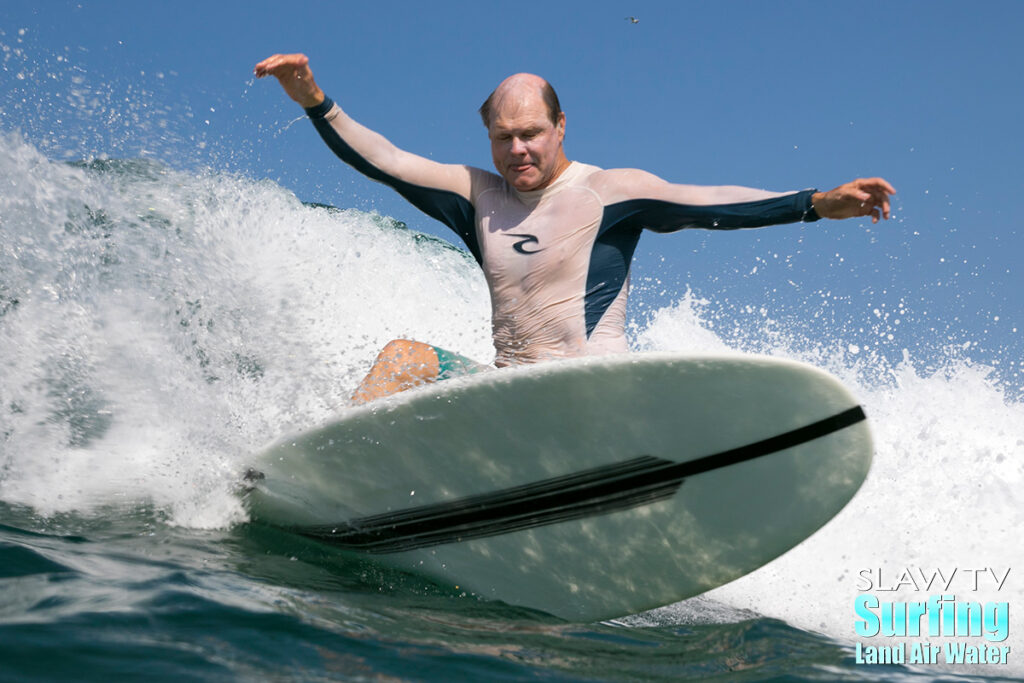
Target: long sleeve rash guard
556	260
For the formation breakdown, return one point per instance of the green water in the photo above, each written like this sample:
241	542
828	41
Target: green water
124	596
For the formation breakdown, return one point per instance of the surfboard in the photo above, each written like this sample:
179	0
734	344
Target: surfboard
589	488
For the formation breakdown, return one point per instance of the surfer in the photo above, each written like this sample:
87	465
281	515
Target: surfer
554	237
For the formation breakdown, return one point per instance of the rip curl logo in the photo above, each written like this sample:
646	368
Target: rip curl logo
525	239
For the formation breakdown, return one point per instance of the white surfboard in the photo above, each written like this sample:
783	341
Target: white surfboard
589	489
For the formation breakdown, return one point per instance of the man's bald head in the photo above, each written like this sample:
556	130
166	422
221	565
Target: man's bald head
519	89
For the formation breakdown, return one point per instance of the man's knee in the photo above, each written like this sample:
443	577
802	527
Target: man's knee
399	346
405	350
401	357
401	364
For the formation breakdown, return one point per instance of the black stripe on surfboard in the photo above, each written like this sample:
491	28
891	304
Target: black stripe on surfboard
602	490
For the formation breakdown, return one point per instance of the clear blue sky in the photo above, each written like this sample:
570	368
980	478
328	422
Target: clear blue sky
780	95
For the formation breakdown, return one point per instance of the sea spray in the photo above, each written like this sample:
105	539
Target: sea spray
159	326
946	488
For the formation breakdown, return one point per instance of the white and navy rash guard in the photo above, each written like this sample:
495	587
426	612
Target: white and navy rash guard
556	260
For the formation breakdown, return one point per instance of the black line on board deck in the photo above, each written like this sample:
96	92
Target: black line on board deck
639	481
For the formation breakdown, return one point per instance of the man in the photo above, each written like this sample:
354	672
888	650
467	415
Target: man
554	237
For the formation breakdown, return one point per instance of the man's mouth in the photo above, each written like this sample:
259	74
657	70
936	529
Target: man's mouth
520	168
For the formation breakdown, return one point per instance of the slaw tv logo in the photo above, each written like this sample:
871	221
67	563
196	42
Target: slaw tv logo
955	622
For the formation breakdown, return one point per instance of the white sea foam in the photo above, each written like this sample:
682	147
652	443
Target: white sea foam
158	326
946	488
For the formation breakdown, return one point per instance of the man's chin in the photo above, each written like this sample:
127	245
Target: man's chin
525	182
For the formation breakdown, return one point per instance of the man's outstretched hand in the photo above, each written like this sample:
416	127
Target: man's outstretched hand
295	76
861	197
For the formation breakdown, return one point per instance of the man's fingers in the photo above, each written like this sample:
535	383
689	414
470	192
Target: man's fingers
880	198
873	195
881	184
877	186
860	197
270	66
276	65
266	66
874	185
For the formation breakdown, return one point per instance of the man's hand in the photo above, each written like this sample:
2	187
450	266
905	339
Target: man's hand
861	197
295	76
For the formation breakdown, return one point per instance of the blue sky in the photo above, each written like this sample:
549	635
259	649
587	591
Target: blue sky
780	95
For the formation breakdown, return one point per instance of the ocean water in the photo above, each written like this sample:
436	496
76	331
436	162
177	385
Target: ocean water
157	326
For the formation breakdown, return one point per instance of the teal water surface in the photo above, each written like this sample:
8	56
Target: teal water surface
126	597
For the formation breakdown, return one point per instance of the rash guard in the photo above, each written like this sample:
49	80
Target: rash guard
556	260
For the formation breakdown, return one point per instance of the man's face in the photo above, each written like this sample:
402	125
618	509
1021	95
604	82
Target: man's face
525	145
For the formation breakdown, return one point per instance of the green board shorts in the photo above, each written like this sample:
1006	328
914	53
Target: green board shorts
453	365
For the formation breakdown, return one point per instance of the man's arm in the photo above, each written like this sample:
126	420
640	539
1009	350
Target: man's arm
639	199
442	191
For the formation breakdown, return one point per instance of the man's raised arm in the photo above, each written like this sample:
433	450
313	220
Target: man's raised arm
442	191
642	200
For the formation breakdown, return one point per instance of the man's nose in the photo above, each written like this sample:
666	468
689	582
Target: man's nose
518	146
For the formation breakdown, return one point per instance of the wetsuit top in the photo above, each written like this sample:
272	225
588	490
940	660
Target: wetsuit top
557	259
